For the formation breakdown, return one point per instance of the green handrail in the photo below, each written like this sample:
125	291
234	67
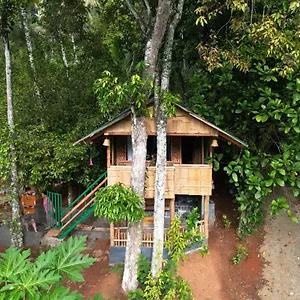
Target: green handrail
82	195
85	213
54	209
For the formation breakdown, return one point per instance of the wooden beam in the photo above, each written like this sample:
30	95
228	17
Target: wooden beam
112	234
108	157
206	214
202	150
172	209
113	151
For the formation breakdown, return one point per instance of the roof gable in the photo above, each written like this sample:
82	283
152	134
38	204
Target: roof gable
184	123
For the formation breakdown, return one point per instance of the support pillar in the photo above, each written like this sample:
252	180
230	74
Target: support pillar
172	209
206	214
112	234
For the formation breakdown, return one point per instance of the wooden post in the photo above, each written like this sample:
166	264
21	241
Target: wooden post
112	234
202	150
112	151
108	156
206	214
172	208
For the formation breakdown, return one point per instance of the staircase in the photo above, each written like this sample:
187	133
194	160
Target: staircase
79	209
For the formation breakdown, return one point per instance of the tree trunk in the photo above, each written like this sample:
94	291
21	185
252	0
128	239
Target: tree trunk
64	57
154	43
137	181
161	131
74	49
70	193
30	54
16	225
159	201
139	144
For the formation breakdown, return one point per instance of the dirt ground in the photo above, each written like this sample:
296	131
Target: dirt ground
270	272
212	277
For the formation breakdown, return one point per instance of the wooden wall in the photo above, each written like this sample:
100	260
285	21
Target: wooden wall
182	124
181	179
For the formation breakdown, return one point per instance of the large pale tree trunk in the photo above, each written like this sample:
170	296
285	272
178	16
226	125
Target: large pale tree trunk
16	225
134	233
30	54
139	142
161	131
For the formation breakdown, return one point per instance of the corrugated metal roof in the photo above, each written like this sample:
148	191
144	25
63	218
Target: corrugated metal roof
226	135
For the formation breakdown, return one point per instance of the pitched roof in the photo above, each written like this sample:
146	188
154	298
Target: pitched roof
223	134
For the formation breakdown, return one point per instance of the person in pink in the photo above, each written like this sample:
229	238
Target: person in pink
47	207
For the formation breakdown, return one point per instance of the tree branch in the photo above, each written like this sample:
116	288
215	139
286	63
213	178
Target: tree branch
137	17
148	10
167	60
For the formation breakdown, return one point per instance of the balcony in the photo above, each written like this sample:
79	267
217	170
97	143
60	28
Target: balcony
180	179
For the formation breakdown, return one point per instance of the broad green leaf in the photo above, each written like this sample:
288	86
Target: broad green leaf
234	177
279	181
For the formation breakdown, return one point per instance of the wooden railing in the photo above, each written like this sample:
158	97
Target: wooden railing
180	179
120	235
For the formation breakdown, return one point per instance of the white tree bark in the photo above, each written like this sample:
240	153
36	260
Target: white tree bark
64	57
139	142
137	181
70	193
16	225
30	54
74	49
161	130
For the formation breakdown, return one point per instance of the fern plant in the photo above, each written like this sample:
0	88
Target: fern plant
22	279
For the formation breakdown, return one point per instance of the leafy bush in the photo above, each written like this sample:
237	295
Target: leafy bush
22	279
241	253
227	223
119	203
168	285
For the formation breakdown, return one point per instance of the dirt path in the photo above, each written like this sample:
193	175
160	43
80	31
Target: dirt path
281	250
215	276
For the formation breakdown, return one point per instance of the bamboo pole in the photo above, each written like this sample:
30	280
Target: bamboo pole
112	234
206	214
108	156
172	209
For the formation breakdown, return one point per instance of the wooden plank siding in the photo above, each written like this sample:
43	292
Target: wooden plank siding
182	124
180	179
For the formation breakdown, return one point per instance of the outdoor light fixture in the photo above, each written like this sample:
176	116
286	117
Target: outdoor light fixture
106	142
214	143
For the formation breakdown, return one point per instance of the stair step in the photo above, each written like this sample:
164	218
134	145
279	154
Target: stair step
53	232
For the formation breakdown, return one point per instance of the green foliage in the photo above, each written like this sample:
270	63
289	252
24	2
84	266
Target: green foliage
8	13
227	222
241	253
143	270
117	202
215	160
253	176
280	204
168	285
114	96
23	279
176	242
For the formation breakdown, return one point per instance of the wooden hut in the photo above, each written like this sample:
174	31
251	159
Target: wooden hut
190	140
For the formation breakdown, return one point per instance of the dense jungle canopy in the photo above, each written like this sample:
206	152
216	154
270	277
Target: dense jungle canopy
235	62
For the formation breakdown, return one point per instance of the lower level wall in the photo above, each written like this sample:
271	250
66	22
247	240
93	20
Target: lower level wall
117	254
